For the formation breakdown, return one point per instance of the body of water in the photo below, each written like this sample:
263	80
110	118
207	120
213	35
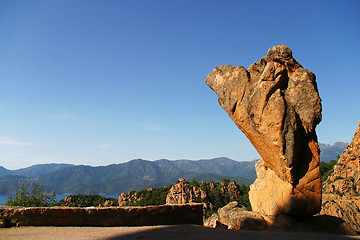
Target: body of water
3	197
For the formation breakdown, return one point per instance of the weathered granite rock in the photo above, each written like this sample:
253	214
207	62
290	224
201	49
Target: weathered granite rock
344	207
124	199
317	223
182	192
211	221
233	216
238	217
342	188
345	180
276	104
269	194
105	216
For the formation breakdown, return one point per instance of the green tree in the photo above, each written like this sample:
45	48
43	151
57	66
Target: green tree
195	183
326	169
34	198
84	200
225	181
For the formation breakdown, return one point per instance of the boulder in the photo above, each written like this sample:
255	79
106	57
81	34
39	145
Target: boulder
212	221
233	216
275	103
237	217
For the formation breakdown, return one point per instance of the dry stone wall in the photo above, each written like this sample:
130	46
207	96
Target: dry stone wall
105	216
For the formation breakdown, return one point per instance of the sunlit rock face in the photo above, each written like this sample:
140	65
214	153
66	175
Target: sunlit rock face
276	104
342	188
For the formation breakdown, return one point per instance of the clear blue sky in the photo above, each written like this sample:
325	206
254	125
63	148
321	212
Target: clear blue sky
102	82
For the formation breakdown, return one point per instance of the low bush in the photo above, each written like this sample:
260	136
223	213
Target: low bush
31	198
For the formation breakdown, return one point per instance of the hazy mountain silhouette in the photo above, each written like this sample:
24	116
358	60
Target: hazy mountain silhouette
330	152
133	175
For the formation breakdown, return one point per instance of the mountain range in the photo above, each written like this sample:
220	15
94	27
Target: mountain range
330	152
137	174
34	170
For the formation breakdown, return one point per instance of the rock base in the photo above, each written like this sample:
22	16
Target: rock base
346	208
270	196
233	216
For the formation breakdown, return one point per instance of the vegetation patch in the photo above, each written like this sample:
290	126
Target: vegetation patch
84	200
35	197
326	169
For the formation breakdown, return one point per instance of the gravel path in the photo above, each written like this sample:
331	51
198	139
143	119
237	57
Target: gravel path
178	232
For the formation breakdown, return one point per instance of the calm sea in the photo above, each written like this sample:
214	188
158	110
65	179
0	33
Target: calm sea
3	197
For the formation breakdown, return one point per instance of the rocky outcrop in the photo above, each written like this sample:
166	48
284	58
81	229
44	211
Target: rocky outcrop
342	188
237	217
234	216
182	192
345	180
104	216
213	195
345	207
275	103
126	199
212	221
107	203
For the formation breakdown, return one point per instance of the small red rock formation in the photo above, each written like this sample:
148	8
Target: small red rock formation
126	199
107	203
276	104
182	193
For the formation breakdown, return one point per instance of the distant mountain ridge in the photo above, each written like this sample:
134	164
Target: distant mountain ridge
34	170
137	174
4	171
218	166
330	152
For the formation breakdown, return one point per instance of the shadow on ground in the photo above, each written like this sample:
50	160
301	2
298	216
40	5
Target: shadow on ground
180	232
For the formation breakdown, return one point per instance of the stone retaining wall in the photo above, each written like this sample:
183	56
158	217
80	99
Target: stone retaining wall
105	216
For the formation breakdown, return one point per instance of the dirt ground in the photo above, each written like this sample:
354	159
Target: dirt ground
176	232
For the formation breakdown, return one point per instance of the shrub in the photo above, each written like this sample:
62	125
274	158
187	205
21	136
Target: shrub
156	196
326	169
34	198
84	200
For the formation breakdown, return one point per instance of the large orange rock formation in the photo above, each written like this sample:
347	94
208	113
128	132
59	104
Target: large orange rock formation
275	103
